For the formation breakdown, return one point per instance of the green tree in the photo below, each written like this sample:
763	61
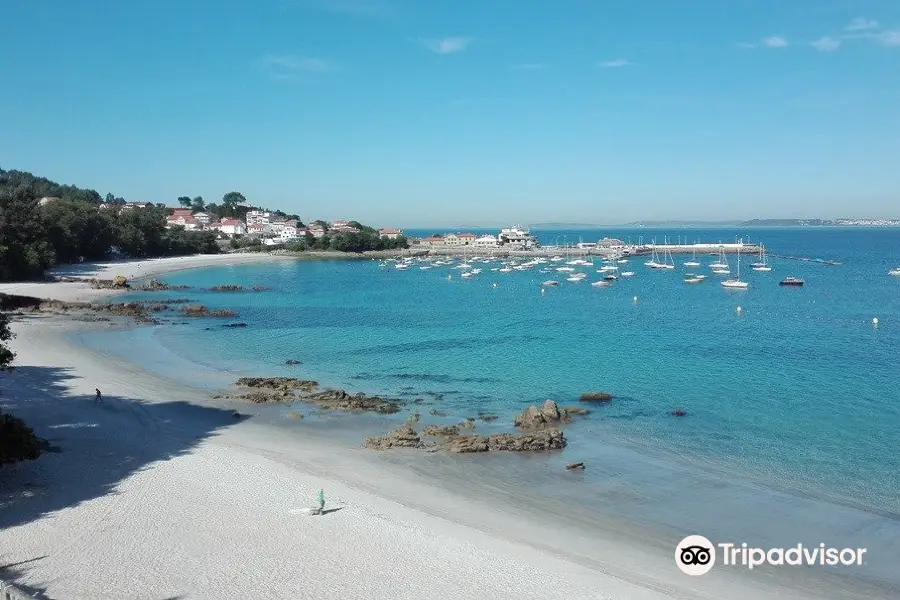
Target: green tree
185	201
233	199
25	251
78	230
197	204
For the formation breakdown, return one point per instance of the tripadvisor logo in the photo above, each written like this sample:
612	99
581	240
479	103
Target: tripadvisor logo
696	555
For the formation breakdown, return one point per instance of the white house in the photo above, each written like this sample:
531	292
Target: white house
203	217
289	230
391	234
47	200
486	241
231	226
186	221
135	205
258	217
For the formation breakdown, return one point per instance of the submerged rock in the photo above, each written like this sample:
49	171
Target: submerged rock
155	285
579	466
596	397
402	437
199	310
487	417
467	424
437	413
291	361
679	412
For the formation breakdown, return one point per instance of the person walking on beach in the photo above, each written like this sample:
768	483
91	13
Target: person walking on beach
99	396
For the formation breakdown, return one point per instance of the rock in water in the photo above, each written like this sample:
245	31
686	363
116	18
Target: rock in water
403	437
579	466
543	439
462	444
534	417
596	397
436	430
679	412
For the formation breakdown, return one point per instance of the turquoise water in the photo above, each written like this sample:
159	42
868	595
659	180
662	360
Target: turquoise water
797	392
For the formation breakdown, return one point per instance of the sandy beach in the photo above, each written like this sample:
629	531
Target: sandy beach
159	492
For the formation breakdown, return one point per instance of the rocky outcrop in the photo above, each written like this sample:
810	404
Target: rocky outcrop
595	397
155	285
536	441
117	283
575	411
539	416
578	466
225	288
402	437
199	310
487	417
235	325
467	424
289	384
439	431
464	444
437	413
341	400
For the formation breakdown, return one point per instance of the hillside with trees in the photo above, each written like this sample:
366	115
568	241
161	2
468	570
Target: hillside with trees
34	238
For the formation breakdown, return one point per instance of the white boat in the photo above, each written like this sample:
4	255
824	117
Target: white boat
601	284
721	264
693	280
467	274
401	266
762	265
575	279
736	283
550	283
721	271
894	272
693	262
565	269
628	274
652	263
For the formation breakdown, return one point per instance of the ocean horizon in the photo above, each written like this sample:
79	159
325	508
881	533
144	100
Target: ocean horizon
792	413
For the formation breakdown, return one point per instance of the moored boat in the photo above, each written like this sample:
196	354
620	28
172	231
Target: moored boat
791	281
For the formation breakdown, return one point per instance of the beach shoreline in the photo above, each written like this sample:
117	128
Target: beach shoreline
253	476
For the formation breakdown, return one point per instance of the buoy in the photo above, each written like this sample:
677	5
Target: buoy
543	291
875	322
449	276
739	309
494	285
635	299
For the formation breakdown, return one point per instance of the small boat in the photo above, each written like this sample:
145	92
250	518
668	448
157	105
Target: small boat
693	280
628	274
894	272
721	271
693	262
610	277
467	274
736	283
762	265
550	283
792	281
600	284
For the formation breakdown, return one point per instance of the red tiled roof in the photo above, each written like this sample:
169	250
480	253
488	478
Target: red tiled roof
465	235
390	231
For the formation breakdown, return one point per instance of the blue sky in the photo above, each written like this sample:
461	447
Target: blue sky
440	112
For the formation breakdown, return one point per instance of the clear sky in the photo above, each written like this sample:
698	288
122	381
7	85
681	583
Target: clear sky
442	112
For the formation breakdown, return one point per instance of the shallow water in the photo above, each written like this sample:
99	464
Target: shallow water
795	394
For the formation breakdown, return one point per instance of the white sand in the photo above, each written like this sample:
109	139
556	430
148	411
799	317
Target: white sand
158	494
132	269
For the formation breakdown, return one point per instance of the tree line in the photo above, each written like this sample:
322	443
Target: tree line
34	238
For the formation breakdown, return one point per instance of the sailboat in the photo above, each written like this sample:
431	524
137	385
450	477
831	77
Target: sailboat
693	262
762	265
736	283
667	257
652	263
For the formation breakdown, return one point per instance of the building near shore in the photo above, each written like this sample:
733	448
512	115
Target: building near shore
230	227
486	241
391	234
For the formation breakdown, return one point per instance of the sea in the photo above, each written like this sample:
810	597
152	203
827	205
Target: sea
791	394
